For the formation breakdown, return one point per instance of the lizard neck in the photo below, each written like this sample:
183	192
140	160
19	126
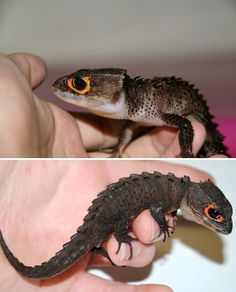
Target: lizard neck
141	104
114	110
130	102
137	91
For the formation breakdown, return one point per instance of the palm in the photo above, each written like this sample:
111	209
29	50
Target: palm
50	205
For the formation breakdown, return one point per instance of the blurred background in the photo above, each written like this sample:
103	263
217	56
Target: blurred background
195	40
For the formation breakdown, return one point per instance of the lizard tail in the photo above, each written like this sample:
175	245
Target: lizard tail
71	252
214	143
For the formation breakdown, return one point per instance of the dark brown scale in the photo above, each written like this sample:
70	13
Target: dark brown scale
172	99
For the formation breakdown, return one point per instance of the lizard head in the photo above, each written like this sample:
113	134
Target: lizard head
99	90
207	205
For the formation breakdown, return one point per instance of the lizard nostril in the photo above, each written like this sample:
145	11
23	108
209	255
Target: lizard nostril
59	83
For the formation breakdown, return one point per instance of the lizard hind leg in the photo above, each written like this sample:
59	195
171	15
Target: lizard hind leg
186	132
121	235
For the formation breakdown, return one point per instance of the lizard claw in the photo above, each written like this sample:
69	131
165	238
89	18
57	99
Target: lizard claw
128	239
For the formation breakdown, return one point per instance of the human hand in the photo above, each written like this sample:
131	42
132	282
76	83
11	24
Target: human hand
34	128
30	126
42	204
102	133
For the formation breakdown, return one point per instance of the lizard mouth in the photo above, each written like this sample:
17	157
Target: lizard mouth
223	229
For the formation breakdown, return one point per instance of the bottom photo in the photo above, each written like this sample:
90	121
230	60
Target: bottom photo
107	225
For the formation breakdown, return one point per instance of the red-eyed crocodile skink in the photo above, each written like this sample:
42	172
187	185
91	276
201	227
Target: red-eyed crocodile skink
148	102
116	206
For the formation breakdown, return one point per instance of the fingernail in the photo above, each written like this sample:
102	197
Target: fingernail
156	235
125	251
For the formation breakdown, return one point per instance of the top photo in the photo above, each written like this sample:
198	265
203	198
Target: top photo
127	79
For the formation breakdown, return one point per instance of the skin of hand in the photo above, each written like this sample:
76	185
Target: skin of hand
35	128
43	203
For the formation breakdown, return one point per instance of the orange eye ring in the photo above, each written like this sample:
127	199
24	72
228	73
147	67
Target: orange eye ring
212	212
80	85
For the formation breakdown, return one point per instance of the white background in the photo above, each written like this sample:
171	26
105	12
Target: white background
195	259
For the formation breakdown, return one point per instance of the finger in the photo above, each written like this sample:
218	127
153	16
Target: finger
98	132
88	282
219	156
125	168
164	142
199	137
154	142
33	67
142	254
67	141
147	230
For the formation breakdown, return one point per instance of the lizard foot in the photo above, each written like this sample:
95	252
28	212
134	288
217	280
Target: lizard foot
125	239
172	227
159	217
103	252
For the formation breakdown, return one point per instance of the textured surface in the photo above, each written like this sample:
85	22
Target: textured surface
112	210
171	99
158	101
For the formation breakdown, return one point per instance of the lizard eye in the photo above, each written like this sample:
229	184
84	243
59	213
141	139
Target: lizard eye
80	85
213	213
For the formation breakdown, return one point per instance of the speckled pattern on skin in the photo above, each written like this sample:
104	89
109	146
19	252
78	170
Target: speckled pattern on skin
150	102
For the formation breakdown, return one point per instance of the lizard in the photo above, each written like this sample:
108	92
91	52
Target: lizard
113	209
171	101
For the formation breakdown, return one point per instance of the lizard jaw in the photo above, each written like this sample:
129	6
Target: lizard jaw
114	109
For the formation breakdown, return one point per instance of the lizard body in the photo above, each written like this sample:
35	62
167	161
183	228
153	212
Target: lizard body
150	102
112	210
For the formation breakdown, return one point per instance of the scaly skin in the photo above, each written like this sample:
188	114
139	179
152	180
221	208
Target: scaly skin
149	102
112	210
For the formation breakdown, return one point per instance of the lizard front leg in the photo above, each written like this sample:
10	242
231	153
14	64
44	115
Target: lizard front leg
158	215
185	132
125	136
